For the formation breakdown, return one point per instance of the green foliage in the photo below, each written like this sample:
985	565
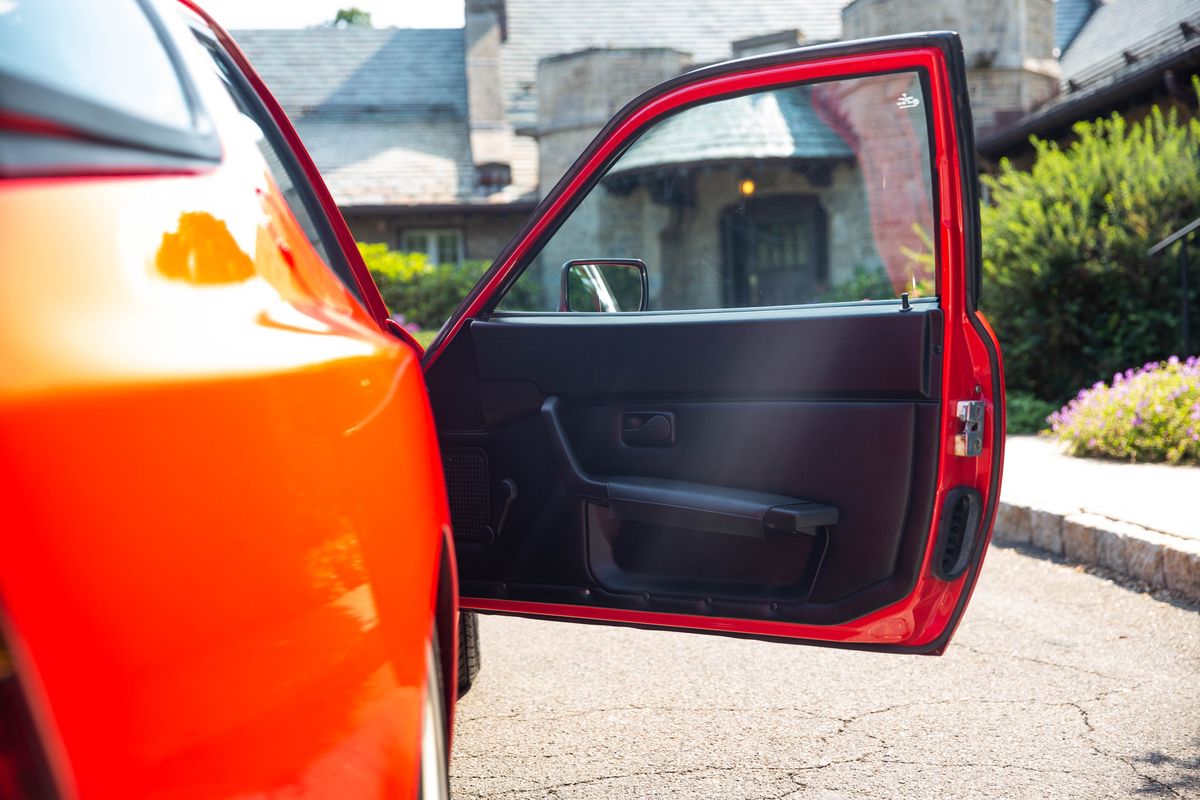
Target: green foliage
418	292
352	17
1152	414
872	284
1026	413
1069	287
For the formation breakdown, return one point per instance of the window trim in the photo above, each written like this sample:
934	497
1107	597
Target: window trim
287	159
89	121
534	246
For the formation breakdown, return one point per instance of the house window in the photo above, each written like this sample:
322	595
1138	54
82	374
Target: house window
440	245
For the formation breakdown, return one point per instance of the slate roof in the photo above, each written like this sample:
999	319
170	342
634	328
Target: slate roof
1121	25
383	112
386	159
704	28
419	72
779	124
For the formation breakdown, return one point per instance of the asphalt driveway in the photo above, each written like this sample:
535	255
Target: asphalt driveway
1060	684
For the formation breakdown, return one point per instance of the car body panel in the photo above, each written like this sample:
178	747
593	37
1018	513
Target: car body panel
224	512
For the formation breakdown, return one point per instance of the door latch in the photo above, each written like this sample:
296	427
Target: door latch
970	441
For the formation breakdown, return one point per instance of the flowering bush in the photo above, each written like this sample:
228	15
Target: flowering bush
1068	284
1150	414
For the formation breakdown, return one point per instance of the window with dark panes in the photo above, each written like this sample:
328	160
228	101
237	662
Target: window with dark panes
440	245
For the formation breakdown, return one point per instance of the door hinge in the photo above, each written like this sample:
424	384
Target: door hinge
970	441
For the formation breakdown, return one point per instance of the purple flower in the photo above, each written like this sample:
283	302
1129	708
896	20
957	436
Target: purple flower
1173	361
1137	420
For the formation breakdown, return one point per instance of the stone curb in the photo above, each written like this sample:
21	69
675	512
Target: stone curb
1158	560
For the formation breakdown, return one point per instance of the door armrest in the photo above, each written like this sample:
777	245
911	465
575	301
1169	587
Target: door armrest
717	509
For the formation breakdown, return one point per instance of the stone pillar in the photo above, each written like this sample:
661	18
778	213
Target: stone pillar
1009	47
491	133
579	92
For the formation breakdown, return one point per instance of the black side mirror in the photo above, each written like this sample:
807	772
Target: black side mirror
604	285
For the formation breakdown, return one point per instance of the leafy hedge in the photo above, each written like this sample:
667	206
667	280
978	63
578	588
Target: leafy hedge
1026	413
417	291
1149	414
1069	287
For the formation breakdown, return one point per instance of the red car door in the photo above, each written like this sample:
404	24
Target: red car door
781	415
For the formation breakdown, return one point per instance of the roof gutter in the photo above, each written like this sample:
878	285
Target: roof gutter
397	210
1059	117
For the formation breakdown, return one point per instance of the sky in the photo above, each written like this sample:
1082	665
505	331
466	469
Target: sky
302	13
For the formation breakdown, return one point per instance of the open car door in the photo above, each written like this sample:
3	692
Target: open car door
731	377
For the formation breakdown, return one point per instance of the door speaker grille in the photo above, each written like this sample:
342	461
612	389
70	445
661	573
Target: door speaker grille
957	532
467	482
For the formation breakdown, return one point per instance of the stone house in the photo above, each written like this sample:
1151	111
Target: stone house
442	141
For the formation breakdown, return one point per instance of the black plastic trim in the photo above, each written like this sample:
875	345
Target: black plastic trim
110	128
717	509
576	480
874	352
957	531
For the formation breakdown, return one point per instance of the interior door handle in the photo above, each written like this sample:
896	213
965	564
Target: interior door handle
648	428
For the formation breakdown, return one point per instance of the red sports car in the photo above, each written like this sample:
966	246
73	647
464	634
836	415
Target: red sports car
729	377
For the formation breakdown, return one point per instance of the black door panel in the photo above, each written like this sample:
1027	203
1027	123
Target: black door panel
852	431
867	350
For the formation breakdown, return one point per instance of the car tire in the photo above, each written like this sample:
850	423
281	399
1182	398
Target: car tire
434	777
468	650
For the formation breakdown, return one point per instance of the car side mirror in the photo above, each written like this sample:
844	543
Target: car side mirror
604	285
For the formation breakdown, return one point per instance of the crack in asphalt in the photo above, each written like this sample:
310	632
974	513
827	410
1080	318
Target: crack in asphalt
1032	660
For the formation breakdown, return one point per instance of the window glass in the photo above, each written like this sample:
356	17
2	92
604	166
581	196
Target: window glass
104	52
286	175
805	194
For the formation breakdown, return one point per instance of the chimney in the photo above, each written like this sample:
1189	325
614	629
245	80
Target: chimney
484	33
768	43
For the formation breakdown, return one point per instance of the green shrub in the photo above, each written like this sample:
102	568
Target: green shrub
1151	414
1026	413
1069	287
418	292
